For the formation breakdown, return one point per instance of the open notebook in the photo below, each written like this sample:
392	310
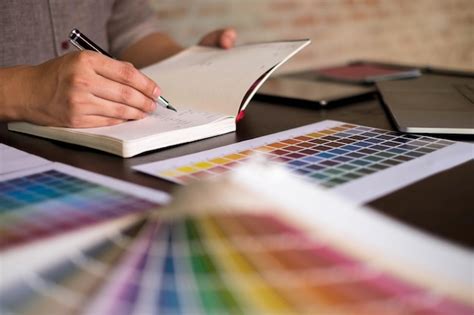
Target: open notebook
210	87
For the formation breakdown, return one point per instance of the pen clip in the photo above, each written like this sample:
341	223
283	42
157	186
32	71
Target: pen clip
73	36
76	44
81	42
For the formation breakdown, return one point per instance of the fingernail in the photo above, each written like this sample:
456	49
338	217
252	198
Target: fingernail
156	93
231	34
153	107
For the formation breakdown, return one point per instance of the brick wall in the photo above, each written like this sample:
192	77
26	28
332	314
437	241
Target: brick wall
434	32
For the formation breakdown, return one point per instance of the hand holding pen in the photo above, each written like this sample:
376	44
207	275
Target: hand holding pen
81	90
87	89
81	42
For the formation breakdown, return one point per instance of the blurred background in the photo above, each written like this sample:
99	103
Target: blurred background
421	32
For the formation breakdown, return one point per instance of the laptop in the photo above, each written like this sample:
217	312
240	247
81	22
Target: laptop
431	103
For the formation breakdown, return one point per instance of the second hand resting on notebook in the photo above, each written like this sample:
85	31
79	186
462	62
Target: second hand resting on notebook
87	89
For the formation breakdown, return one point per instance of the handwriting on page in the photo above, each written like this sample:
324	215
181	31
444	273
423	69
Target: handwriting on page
162	120
184	117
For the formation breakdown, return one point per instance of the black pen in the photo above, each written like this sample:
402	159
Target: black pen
81	42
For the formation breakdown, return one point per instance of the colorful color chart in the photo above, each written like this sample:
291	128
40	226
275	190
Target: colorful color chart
238	264
52	202
221	259
330	153
61	229
64	288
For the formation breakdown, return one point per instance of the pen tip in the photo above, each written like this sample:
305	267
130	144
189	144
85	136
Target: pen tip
171	107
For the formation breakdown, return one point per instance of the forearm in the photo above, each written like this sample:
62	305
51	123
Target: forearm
150	49
15	83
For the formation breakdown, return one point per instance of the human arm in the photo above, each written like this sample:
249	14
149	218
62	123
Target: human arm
86	89
82	89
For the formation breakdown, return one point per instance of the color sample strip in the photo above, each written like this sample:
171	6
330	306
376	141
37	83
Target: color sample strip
216	297
167	298
256	264
329	153
120	293
176	247
52	202
256	294
317	278
186	283
144	283
66	287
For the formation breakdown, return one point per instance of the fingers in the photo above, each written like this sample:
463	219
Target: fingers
106	108
103	91
228	38
223	38
96	121
99	112
121	93
83	114
125	73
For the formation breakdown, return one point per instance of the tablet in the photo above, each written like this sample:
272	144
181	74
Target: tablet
316	92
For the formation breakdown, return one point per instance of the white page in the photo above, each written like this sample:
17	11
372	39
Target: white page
162	120
216	80
12	160
361	190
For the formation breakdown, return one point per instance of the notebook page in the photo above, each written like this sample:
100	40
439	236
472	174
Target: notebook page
162	120
216	80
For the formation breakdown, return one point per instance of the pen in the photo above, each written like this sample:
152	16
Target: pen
81	42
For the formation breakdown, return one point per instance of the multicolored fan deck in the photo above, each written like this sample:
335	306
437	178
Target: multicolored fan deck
52	202
224	264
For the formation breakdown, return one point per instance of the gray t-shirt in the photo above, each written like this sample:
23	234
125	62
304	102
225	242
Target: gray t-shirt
33	31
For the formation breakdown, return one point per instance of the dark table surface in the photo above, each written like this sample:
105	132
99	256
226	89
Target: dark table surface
442	204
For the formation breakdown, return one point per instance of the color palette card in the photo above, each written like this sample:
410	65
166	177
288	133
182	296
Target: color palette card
65	287
58	209
282	247
362	163
254	264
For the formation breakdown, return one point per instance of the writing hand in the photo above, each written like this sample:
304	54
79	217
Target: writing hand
87	89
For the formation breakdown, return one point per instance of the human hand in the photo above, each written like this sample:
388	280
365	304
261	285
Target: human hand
87	89
223	38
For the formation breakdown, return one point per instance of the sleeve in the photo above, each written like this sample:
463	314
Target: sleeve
130	21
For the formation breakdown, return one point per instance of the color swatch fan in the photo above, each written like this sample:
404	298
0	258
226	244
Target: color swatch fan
51	211
250	255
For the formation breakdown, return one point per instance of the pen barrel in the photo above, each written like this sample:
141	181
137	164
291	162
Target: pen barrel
83	42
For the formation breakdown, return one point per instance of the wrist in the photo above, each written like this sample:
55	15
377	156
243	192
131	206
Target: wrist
16	90
150	49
